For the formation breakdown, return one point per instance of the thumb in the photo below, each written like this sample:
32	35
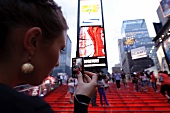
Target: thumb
80	77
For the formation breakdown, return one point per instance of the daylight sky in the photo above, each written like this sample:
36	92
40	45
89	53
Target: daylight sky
114	12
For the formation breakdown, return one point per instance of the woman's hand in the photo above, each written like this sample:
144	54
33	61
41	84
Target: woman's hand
88	86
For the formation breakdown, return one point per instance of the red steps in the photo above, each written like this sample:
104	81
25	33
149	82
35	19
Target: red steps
121	101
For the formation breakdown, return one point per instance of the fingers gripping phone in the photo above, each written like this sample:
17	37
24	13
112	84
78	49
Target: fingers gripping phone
77	65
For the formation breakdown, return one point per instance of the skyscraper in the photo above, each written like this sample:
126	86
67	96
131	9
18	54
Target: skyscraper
65	58
135	35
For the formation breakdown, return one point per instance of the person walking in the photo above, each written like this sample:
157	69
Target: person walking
113	77
165	84
117	77
123	76
153	81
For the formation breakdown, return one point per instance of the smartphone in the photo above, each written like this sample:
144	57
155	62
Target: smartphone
77	65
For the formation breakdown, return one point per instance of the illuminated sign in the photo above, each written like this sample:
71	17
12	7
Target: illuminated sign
166	45
139	52
90	13
129	43
91	38
161	58
165	7
94	62
91	42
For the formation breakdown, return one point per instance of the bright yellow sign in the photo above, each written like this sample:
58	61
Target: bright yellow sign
90	8
129	41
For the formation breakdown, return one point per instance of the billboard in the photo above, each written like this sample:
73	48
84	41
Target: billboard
166	45
90	35
139	52
94	62
129	43
165	7
161	58
91	42
90	13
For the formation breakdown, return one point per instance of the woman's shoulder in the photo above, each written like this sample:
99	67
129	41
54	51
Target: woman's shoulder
21	102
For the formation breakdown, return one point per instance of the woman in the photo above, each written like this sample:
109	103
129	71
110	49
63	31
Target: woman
106	83
72	83
101	90
32	34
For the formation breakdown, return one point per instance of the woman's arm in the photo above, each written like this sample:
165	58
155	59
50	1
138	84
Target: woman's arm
85	90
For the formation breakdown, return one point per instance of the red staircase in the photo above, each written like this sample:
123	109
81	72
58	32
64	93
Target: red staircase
124	100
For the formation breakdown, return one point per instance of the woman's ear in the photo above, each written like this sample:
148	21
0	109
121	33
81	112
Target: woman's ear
32	38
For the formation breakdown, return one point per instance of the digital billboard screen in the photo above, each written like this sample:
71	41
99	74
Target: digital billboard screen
94	62
139	52
166	45
90	13
161	58
165	7
129	43
91	42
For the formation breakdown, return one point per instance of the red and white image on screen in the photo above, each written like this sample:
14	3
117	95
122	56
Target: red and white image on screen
91	42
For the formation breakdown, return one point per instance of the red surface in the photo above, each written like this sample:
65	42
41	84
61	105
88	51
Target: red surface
124	100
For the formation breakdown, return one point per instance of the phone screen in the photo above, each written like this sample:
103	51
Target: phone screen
77	65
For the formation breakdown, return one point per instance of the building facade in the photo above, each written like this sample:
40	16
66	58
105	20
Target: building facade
135	35
162	41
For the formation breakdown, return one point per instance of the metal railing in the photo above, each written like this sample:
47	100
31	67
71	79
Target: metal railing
40	90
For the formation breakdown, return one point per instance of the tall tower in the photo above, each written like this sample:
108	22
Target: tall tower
91	44
136	43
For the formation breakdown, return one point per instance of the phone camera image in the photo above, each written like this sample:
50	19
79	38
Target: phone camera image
77	65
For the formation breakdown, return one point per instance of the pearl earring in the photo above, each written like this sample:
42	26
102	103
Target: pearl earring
27	68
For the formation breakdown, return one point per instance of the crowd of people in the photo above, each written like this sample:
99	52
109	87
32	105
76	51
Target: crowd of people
142	81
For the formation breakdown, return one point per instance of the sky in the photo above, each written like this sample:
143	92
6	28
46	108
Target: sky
114	12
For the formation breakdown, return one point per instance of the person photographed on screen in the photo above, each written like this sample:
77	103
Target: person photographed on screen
32	35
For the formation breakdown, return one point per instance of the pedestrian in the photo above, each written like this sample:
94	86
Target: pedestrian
164	79
153	81
117	77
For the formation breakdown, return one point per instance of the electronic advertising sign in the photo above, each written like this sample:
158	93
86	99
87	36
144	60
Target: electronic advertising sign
91	36
139	52
92	46
90	13
165	7
161	58
94	62
166	45
129	43
91	42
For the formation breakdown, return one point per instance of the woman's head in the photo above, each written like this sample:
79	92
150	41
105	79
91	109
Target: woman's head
30	31
31	13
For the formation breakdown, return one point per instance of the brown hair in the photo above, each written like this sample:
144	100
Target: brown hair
45	14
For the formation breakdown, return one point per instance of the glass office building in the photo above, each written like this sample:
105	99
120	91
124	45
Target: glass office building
134	35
